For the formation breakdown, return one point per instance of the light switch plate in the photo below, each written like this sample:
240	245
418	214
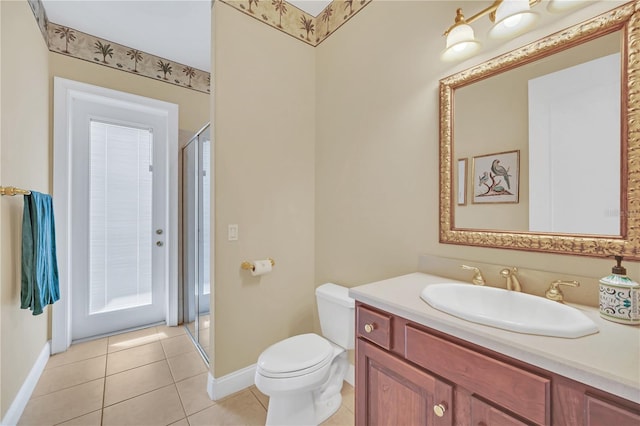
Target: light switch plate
233	232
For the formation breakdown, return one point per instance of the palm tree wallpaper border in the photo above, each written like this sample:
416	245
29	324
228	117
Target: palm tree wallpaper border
41	17
279	14
79	45
287	18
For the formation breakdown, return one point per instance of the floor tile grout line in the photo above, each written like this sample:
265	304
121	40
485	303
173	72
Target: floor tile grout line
33	397
71	362
178	392
141	394
70	386
49	394
131	368
180	399
257	400
256	396
81	415
133	347
104	385
138	366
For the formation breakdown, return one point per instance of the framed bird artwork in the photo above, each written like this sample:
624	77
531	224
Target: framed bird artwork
496	177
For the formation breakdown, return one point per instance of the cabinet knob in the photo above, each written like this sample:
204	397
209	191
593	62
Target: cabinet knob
369	327
439	409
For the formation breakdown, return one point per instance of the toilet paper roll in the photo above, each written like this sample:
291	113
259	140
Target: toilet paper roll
261	267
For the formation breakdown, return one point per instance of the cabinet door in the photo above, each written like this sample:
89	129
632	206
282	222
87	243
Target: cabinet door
603	413
390	391
483	414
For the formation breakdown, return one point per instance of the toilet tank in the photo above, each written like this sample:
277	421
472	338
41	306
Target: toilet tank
337	314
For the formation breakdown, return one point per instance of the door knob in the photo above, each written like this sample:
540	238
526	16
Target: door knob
439	409
159	243
159	231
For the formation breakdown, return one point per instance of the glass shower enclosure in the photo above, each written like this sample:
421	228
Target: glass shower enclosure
196	243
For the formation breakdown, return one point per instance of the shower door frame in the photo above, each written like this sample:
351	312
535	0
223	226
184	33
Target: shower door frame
199	207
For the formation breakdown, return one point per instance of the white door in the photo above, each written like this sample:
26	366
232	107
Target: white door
576	199
119	210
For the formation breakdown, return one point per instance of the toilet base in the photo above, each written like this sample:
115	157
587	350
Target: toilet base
301	409
327	408
292	410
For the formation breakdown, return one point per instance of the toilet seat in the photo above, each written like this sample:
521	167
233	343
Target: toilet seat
295	356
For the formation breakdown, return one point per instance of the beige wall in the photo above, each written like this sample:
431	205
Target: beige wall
264	182
25	162
193	106
377	169
327	159
377	142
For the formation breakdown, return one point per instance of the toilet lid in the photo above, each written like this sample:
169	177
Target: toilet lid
295	353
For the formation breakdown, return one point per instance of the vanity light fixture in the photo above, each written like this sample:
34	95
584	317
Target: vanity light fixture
510	18
559	6
461	41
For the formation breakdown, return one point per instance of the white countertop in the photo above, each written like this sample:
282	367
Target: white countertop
608	360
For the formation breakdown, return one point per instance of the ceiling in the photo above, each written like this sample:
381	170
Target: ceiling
179	30
312	7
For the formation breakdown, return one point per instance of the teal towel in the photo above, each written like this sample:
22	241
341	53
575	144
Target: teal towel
40	285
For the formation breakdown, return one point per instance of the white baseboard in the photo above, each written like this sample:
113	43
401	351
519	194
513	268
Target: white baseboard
24	394
242	379
231	383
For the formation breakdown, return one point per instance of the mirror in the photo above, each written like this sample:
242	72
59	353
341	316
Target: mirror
515	150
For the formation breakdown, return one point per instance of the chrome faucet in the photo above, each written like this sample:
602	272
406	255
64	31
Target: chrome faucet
477	279
512	279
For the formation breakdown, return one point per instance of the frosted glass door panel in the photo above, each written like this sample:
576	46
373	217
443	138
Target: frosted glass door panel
120	211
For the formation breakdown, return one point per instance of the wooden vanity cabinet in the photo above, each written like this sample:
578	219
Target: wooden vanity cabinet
399	393
408	374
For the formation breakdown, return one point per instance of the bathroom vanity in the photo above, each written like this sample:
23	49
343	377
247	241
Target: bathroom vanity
417	365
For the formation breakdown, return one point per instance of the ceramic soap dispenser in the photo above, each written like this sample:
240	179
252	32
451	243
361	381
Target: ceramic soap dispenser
620	296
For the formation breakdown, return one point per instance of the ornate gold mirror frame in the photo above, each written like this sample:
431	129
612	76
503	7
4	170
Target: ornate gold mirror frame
625	18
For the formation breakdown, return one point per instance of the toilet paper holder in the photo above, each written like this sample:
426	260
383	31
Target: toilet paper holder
246	265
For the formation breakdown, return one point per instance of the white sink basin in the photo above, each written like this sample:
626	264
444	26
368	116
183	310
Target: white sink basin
509	310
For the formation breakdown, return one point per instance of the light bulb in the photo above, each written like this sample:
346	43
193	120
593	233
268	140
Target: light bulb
513	21
513	17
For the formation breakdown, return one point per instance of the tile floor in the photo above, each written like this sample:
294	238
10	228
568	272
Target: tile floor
153	376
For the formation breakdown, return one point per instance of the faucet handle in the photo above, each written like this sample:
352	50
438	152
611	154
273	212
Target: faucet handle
511	275
554	292
477	279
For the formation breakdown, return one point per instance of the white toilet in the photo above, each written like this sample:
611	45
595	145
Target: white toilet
303	375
